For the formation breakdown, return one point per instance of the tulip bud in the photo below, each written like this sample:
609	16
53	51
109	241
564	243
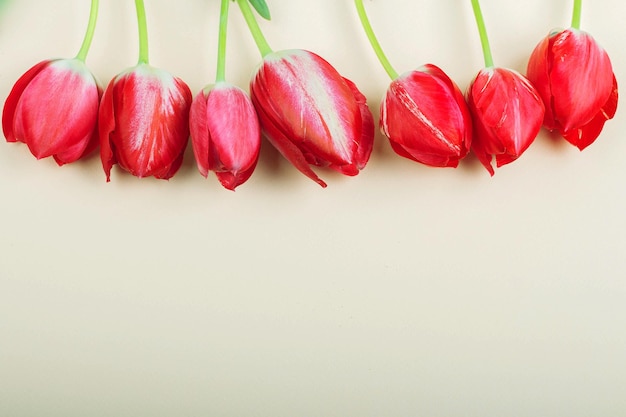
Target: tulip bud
575	80
507	113
225	133
311	114
53	108
426	119
143	122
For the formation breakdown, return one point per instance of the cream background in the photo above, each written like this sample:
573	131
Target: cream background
404	291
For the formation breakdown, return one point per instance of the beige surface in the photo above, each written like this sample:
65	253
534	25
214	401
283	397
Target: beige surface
404	291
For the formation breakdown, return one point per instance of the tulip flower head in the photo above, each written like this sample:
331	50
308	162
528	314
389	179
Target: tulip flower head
426	119
143	119
575	80
308	111
506	109
53	107
312	114
225	132
507	112
144	122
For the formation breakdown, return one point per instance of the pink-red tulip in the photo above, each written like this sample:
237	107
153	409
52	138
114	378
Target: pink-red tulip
312	114
53	108
225	133
143	122
426	119
507	113
575	79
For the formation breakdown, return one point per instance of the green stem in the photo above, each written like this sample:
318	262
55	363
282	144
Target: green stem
576	14
91	27
221	46
484	40
373	41
143	32
255	30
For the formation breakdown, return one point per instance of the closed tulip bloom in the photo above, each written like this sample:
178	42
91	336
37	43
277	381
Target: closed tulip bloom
312	114
426	119
575	80
225	133
143	122
53	108
507	114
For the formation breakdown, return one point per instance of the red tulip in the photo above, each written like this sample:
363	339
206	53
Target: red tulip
225	133
53	108
507	113
575	80
426	119
311	114
144	122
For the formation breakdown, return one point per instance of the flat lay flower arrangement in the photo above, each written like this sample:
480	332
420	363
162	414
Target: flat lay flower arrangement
314	116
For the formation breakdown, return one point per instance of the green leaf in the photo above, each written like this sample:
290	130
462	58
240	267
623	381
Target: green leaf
261	7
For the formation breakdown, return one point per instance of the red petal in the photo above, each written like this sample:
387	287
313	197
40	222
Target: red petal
538	73
231	181
585	135
168	171
366	142
74	152
200	135
12	100
94	141
281	142
106	127
581	78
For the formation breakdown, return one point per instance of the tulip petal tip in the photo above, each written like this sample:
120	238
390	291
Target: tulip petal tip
321	183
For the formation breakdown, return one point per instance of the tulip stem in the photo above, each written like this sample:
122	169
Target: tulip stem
255	30
221	44
576	14
91	27
143	32
373	40
484	40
